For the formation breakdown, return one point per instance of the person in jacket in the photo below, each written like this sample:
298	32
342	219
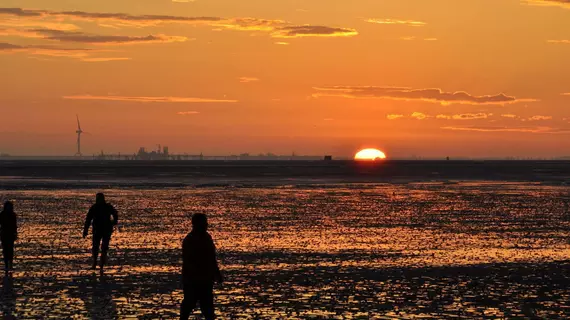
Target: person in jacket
8	234
103	217
199	269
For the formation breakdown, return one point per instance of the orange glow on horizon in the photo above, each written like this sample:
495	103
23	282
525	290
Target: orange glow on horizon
370	154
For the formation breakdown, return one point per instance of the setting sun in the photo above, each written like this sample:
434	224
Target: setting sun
370	154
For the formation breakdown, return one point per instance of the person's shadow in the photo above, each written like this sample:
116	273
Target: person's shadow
99	303
8	302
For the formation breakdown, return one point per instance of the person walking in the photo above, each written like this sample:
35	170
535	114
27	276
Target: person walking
103	216
199	269
8	234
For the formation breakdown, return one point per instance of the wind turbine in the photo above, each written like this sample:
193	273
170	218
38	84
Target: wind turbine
79	132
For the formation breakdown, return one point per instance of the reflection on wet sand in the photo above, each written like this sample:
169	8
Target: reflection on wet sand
8	298
463	250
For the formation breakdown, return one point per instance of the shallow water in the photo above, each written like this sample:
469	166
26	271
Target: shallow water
365	251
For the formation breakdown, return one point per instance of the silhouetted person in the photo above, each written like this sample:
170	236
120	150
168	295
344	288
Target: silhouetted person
104	218
8	234
199	269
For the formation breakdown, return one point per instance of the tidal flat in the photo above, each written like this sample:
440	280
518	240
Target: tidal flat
334	251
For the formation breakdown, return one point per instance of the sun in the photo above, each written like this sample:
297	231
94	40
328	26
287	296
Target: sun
370	155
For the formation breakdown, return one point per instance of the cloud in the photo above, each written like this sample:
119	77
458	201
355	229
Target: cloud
548	3
11	32
408	94
120	19
328	119
559	41
509	129
19	12
251	24
412	38
35	23
394	116
148	99
312	31
247	79
533	118
45	50
419	116
282	43
464	116
566	94
104	59
538	118
81	54
80	37
410	23
187	113
276	28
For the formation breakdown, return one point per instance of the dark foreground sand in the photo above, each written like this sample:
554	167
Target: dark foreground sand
374	251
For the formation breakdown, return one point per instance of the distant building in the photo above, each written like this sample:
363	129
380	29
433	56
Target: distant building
160	154
328	158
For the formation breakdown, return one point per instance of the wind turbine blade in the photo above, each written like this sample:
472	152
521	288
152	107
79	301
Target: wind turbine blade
78	124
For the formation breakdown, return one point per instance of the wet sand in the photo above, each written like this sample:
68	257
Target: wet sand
365	251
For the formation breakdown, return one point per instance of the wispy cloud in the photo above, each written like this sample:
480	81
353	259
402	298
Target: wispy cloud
81	54
18	22
119	19
538	118
276	28
250	24
312	31
419	116
408	94
45	50
532	118
566	94
411	23
104	59
548	3
187	113
80	37
464	116
394	116
149	99
111	40
248	79
281	43
411	38
509	129
559	41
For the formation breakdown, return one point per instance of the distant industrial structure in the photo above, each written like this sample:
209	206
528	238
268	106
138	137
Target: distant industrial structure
163	154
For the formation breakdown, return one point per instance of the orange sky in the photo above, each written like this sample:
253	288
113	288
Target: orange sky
474	78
